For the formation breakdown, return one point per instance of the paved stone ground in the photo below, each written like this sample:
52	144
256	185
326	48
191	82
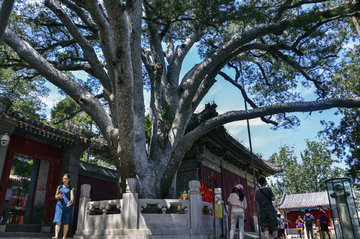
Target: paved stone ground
27	235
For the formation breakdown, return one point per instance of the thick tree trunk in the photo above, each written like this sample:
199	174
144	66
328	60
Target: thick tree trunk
4	16
356	23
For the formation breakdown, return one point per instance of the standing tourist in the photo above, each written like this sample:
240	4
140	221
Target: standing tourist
300	226
324	222
237	210
281	223
267	213
64	209
309	220
6	206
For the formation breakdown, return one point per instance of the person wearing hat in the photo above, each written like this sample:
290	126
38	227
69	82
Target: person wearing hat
237	210
267	213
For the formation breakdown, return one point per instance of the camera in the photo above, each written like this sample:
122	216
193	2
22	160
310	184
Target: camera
5	139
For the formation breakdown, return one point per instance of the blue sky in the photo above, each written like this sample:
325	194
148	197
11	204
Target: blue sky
265	141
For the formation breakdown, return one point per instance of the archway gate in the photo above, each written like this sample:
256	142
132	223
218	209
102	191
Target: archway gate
42	151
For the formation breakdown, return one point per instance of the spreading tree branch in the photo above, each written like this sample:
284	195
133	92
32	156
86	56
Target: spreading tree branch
85	99
72	115
82	14
88	50
64	43
105	35
275	28
178	57
245	96
355	23
307	106
288	6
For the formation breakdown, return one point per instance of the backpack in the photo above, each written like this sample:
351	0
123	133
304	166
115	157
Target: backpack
308	221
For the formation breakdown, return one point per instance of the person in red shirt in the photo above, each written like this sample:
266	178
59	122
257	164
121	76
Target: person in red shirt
300	226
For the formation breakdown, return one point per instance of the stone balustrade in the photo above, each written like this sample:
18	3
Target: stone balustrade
133	218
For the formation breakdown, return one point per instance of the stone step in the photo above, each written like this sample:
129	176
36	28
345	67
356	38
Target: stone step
23	227
25	235
42	230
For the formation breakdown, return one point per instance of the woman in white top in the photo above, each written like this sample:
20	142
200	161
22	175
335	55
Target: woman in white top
237	210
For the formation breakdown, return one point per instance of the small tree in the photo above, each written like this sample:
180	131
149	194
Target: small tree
308	175
345	137
23	168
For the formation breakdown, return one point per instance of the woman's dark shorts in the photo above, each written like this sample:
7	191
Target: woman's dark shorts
282	232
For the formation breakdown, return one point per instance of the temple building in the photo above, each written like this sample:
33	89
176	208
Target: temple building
292	205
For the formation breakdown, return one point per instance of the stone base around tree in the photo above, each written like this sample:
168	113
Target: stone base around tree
134	218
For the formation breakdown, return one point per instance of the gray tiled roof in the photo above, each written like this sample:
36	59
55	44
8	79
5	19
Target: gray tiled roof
45	130
304	200
220	136
92	170
39	128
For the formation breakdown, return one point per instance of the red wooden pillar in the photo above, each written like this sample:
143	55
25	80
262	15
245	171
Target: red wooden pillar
5	176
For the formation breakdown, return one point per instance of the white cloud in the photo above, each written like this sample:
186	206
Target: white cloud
253	122
259	142
308	91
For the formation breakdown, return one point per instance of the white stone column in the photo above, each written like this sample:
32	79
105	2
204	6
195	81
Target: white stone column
129	208
84	198
7	126
38	209
217	197
195	201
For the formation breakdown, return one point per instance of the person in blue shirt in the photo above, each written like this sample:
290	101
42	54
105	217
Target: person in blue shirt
309	220
64	206
281	223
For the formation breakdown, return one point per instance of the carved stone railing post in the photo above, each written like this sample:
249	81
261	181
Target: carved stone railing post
131	185
129	212
195	201
84	198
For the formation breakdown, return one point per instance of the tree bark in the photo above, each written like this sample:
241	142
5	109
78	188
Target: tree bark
4	16
356	25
